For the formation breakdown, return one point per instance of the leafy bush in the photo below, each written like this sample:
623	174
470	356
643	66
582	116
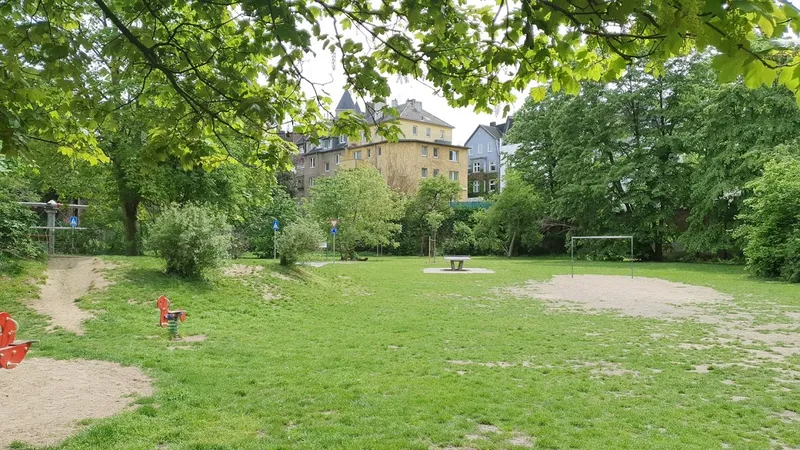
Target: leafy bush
190	238
771	227
461	240
298	239
15	233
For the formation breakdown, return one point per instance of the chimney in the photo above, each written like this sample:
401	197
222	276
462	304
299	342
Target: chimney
394	103
492	124
417	106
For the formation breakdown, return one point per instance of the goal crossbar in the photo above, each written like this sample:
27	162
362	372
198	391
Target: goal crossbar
572	249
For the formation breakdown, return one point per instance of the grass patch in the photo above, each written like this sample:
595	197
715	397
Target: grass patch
380	355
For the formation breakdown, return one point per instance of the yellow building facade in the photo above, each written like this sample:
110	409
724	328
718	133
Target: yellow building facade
424	150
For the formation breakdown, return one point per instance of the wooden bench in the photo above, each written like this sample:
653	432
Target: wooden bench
457	259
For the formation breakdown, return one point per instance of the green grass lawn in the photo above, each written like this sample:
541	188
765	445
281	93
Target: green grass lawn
362	356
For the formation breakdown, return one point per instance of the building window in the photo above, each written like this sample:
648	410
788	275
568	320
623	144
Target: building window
424	172
343	139
428	131
436	172
492	185
476	186
453	175
328	166
492	166
453	155
476	167
379	151
435	152
310	182
424	151
489	148
441	134
414	130
327	143
480	148
369	153
338	158
357	155
313	162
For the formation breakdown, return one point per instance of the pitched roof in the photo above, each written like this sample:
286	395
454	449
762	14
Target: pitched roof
347	103
410	110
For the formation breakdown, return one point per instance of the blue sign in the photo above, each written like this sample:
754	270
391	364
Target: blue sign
275	225
73	221
333	230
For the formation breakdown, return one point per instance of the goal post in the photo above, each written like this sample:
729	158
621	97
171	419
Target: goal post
572	249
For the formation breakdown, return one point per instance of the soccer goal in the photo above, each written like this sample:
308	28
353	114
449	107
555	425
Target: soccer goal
572	249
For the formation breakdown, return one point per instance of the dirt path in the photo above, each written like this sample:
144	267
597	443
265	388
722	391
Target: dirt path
68	279
43	399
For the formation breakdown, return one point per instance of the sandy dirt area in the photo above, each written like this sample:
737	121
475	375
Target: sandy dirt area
241	270
665	300
43	399
68	279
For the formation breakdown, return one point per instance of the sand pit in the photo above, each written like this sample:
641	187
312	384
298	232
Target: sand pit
43	399
639	296
68	279
666	300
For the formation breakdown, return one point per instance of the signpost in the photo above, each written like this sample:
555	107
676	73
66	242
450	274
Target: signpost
275	227
73	222
334	224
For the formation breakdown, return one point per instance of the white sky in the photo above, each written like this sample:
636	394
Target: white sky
325	69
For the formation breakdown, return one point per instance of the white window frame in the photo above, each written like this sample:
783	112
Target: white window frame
492	184
453	175
476	186
489	148
436	152
343	139
413	130
453	155
424	151
424	172
492	166
313	162
476	167
327	166
337	158
435	172
357	155
480	148
310	181
428	131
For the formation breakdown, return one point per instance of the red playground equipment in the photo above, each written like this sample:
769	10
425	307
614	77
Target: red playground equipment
169	318
11	353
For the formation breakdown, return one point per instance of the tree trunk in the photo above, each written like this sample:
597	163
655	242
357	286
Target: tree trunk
511	246
130	222
658	253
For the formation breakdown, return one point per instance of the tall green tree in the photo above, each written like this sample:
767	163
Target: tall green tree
430	208
513	220
366	208
771	219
